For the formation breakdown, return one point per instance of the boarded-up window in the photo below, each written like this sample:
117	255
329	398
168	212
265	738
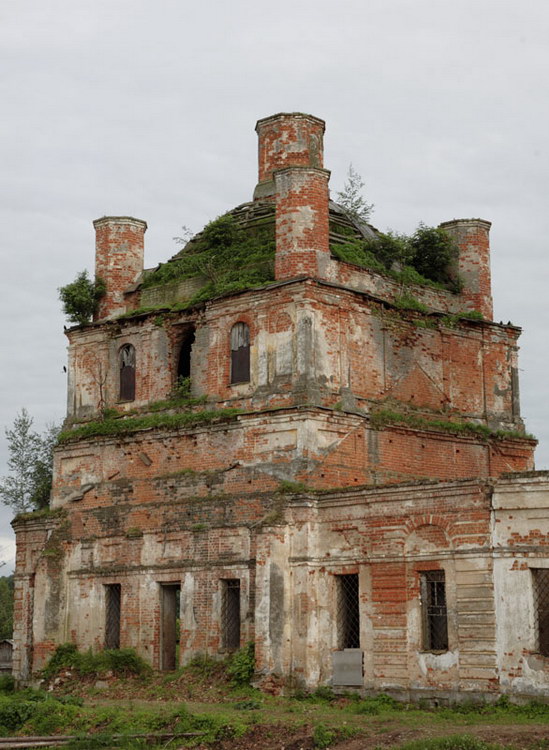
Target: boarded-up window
127	373
240	353
112	615
230	614
348	611
541	608
170	597
434	610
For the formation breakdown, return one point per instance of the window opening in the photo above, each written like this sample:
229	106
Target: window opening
170	598
240	353
127	373
230	614
184	361
112	615
541	608
348	611
435	613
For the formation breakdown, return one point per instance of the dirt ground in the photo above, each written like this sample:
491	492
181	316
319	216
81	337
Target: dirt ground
283	724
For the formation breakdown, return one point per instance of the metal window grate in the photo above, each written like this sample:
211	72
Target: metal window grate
348	611
230	614
112	615
435	613
541	607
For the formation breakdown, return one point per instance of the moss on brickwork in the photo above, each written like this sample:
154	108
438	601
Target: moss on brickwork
384	417
42	514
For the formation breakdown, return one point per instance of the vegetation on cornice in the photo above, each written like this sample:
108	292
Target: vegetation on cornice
424	258
384	417
42	514
227	255
121	425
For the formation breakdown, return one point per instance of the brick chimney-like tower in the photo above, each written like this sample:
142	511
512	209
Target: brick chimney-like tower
291	154
473	267
119	251
287	140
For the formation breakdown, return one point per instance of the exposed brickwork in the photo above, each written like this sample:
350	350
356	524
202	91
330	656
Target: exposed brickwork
302	232
288	140
472	237
346	459
119	248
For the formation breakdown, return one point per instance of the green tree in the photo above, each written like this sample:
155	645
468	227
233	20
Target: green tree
6	606
81	298
351	198
30	463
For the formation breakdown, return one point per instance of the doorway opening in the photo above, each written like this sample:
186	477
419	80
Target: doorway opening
170	604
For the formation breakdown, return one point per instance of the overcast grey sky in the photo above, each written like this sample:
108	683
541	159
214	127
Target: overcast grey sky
148	109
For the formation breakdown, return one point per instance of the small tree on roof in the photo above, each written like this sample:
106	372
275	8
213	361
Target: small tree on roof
81	298
351	198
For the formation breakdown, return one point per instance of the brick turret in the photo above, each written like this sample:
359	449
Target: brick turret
119	250
473	266
287	140
302	233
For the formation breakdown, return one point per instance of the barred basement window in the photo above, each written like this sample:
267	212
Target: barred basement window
541	608
127	372
348	611
434	611
230	614
112	615
240	353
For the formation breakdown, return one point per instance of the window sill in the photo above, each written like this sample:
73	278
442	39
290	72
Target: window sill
435	652
241	382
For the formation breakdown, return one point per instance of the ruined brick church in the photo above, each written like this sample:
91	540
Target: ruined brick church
349	484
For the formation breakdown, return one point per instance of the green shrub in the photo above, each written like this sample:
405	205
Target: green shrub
427	257
202	665
228	257
14	715
7	683
323	694
241	665
122	662
432	252
322	736
407	302
81	298
376	705
50	716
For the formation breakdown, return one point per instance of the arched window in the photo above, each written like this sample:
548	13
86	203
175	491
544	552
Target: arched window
127	372
240	353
